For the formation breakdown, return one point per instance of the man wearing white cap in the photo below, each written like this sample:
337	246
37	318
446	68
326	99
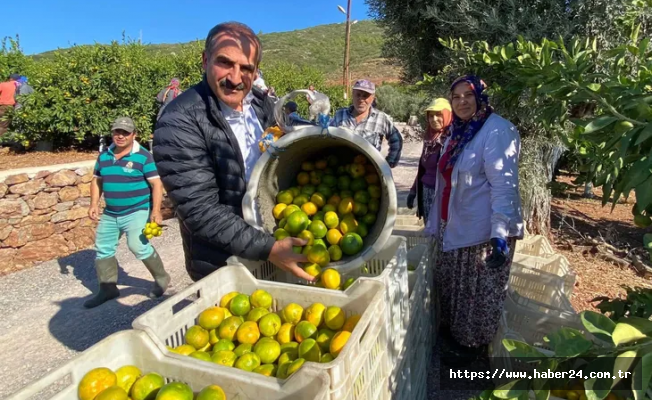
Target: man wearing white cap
370	123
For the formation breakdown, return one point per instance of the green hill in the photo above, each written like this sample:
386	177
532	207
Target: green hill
321	47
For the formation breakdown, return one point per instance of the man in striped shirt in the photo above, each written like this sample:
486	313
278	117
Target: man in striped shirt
127	176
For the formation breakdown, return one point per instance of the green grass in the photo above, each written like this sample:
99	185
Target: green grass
321	47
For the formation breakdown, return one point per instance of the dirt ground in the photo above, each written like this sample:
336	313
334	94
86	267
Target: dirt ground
576	219
10	160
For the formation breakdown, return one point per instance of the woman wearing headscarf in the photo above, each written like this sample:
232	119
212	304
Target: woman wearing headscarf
476	217
439	117
165	96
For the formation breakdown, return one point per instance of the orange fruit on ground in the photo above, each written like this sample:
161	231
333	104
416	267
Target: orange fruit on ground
324	337
338	342
351	322
212	392
333	236
211	317
348	224
146	385
318	229
243	349
175	391
240	305
303	178
289	210
319	254
266	370
307	236
315	314
301	200
334	201
307	166
225	302
224	357
268	351
248	333
127	375
292	313
309	208
312	269
261	298
285	333
309	350
281	234
284	197
294	366
297	222
113	393
331	279
248	362
334	318
223	344
345	206
197	337
351	244
95	381
270	324
229	327
278	210
335	252
305	330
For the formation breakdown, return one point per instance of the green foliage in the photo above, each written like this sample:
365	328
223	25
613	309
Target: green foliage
638	303
12	60
401	104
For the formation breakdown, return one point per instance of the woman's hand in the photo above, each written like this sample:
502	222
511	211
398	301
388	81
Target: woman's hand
499	253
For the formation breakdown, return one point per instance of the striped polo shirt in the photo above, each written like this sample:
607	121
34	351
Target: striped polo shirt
124	181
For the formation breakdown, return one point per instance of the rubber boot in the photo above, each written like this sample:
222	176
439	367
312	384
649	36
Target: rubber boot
107	275
154	265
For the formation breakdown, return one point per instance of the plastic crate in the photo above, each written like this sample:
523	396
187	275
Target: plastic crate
389	267
555	264
537	290
530	326
414	234
359	372
409	377
136	348
537	246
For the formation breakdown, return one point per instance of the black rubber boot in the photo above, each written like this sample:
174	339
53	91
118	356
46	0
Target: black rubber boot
107	275
154	265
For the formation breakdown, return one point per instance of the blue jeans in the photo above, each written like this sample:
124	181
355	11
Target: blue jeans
110	229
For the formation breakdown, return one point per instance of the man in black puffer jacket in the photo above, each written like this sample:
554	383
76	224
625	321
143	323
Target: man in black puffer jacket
205	146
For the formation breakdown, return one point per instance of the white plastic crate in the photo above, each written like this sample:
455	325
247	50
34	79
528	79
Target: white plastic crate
537	290
530	326
360	371
136	348
555	264
414	234
409	377
537	246
389	267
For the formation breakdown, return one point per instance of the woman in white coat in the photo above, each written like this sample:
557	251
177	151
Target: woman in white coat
476	217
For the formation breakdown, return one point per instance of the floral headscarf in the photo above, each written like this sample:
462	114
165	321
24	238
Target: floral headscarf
462	132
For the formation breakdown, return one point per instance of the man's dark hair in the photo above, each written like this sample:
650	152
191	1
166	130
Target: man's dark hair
239	30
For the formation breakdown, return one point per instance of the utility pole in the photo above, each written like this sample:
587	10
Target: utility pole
346	79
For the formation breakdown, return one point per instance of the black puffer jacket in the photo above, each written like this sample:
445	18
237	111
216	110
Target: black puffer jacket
202	169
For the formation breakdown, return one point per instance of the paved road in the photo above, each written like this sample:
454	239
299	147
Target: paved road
43	322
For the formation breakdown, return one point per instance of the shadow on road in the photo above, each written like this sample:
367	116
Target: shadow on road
78	328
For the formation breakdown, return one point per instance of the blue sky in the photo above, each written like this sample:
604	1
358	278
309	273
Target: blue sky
48	24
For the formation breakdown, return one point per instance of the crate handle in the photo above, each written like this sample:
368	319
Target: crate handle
187	301
42	384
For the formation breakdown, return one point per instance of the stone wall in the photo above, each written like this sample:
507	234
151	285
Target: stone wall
44	216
